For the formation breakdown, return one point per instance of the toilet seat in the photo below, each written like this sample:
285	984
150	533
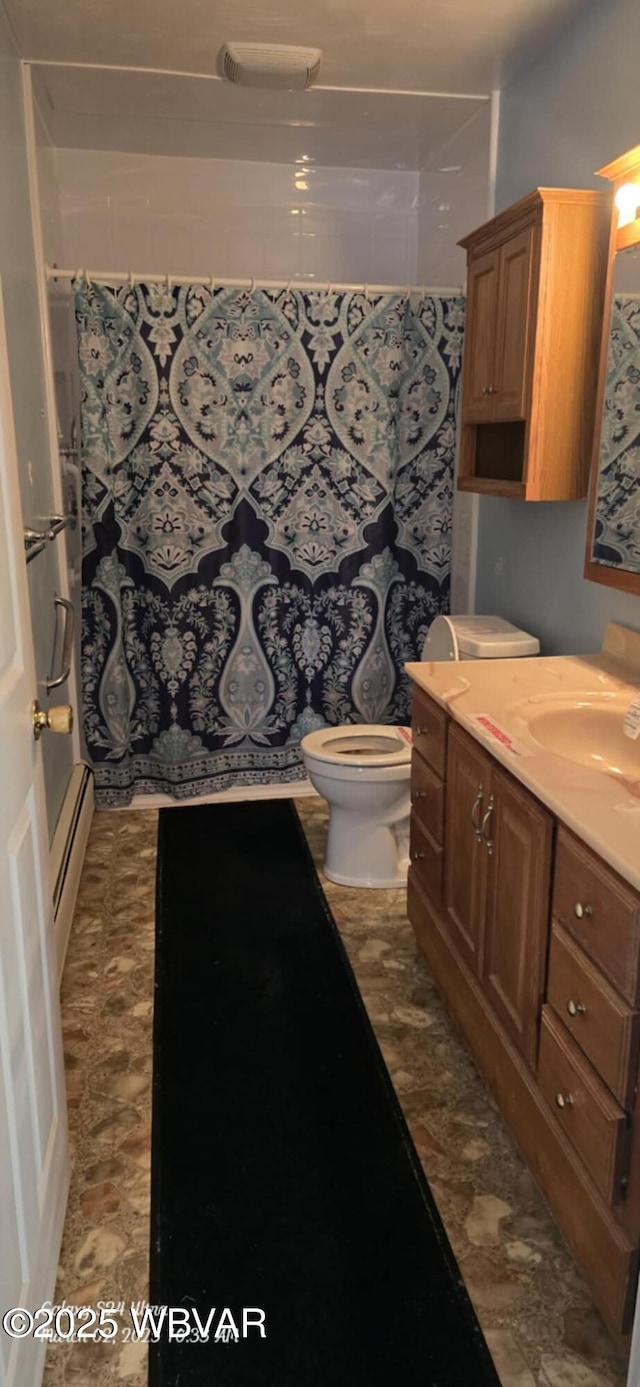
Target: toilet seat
361	747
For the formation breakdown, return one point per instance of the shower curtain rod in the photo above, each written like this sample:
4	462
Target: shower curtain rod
131	277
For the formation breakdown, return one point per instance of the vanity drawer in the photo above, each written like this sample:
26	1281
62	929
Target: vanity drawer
604	1027
427	797
600	911
427	860
591	1119
429	726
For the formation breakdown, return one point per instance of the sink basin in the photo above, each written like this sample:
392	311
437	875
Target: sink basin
589	733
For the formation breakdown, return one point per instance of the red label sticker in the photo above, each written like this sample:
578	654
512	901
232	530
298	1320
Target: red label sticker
499	734
406	733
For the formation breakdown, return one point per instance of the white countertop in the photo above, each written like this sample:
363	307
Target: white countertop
602	808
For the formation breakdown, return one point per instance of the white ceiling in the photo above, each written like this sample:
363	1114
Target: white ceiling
155	113
435	45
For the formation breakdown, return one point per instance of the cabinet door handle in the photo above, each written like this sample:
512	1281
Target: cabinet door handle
476	805
417	855
488	841
581	911
420	731
564	1100
576	1008
419	794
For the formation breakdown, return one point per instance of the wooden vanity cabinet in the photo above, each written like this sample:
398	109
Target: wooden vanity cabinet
535	293
535	944
497	875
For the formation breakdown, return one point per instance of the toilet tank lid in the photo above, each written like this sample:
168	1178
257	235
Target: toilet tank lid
490	638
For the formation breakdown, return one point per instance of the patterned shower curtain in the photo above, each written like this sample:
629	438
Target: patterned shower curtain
267	498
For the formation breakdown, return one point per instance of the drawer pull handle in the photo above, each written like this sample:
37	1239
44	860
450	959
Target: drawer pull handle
581	911
417	855
576	1008
419	794
485	822
564	1100
476	805
420	731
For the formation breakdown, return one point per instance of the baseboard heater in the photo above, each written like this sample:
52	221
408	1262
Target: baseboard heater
67	854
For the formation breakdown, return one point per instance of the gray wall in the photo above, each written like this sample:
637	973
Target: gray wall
19	287
573	111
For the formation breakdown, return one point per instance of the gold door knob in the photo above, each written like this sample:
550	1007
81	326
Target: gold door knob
59	719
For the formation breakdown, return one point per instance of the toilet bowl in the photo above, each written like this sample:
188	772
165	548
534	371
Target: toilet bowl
363	772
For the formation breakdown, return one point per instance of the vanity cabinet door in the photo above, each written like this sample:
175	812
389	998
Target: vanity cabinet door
479	385
515	326
468	778
518	834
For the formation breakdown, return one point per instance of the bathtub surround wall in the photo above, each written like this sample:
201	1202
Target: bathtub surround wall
267	506
234	218
569	114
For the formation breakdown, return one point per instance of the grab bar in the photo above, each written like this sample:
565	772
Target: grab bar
35	540
67	644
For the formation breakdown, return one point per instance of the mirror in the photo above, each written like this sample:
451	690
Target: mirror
613	535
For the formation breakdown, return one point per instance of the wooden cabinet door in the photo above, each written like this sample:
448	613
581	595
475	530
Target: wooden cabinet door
515	327
519	834
480	338
468	777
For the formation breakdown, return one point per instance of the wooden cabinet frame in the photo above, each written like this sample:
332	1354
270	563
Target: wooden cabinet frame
526	432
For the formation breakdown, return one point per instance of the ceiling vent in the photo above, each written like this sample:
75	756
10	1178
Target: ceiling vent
274	65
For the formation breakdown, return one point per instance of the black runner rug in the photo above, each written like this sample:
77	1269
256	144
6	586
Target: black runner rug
287	1196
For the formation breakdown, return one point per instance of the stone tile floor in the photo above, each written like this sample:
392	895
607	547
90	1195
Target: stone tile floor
534	1307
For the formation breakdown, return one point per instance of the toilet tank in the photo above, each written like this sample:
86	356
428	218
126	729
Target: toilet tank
477	638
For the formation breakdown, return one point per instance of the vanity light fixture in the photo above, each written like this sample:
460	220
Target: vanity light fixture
627	200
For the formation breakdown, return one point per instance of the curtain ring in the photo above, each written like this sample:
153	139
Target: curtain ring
87	278
288	288
366	292
212	283
131	279
252	286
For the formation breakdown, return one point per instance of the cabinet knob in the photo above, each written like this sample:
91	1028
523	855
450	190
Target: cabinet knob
581	911
419	731
417	855
419	794
576	1008
564	1100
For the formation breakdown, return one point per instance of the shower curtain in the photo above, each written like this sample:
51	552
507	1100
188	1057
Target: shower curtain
267	497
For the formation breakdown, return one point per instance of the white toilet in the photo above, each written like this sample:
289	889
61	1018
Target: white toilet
363	770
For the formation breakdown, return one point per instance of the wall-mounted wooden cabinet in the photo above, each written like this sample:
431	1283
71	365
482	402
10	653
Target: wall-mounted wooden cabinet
535	292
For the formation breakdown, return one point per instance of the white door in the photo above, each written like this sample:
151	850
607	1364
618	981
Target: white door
34	1162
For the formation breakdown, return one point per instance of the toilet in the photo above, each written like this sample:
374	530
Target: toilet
363	770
